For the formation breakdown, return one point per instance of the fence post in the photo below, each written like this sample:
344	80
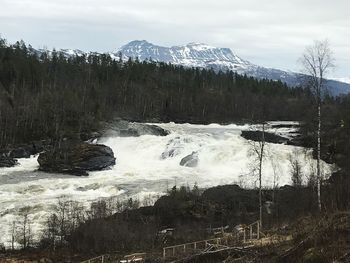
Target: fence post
103	258
195	245
164	253
244	235
258	229
250	232
184	248
173	251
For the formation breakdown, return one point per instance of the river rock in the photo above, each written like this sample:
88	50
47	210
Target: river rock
174	147
190	160
144	129
6	161
25	150
269	137
20	152
77	159
124	128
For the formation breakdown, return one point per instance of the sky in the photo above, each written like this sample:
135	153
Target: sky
271	33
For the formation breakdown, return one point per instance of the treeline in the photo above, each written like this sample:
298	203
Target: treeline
335	133
46	95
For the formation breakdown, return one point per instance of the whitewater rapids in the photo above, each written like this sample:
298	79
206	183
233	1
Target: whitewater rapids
224	158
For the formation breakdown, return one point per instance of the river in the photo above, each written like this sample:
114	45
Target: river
224	157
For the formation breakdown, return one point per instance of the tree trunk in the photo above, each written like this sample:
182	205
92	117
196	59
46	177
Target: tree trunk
260	174
319	156
260	193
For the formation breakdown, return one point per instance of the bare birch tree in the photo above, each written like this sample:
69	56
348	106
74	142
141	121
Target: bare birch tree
317	61
258	151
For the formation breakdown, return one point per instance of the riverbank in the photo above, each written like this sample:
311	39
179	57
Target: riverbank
146	167
293	229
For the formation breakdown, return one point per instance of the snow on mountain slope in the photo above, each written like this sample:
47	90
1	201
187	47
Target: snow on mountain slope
190	55
218	59
201	56
345	80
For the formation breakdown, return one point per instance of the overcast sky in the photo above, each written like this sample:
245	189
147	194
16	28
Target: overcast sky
270	33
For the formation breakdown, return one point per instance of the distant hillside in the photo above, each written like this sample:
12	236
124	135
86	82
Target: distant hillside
204	56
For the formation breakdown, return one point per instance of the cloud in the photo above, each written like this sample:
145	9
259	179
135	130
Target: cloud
271	32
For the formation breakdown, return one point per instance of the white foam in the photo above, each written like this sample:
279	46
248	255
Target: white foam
141	172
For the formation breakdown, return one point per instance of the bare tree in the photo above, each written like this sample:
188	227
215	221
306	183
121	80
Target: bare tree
25	234
317	61
51	231
258	151
295	169
13	234
62	217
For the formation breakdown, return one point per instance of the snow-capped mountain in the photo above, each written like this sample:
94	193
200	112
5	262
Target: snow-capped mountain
205	56
201	56
67	53
191	55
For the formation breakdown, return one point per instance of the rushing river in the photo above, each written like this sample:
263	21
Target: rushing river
224	158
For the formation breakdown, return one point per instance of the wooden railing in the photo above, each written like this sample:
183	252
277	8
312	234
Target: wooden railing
135	257
246	234
251	232
99	259
193	246
243	235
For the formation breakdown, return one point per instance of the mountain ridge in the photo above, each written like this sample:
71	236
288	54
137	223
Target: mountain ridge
200	55
205	56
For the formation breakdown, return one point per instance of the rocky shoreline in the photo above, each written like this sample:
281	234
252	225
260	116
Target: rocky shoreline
78	156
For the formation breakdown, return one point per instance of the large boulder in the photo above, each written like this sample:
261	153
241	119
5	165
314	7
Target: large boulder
143	129
6	161
269	137
133	129
77	159
190	160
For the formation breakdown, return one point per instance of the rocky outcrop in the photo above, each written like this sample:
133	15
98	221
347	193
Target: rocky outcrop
6	161
190	160
77	159
133	129
25	150
9	155
269	137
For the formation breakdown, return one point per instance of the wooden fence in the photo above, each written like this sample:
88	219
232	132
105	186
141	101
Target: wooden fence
241	237
193	247
99	259
251	232
107	258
